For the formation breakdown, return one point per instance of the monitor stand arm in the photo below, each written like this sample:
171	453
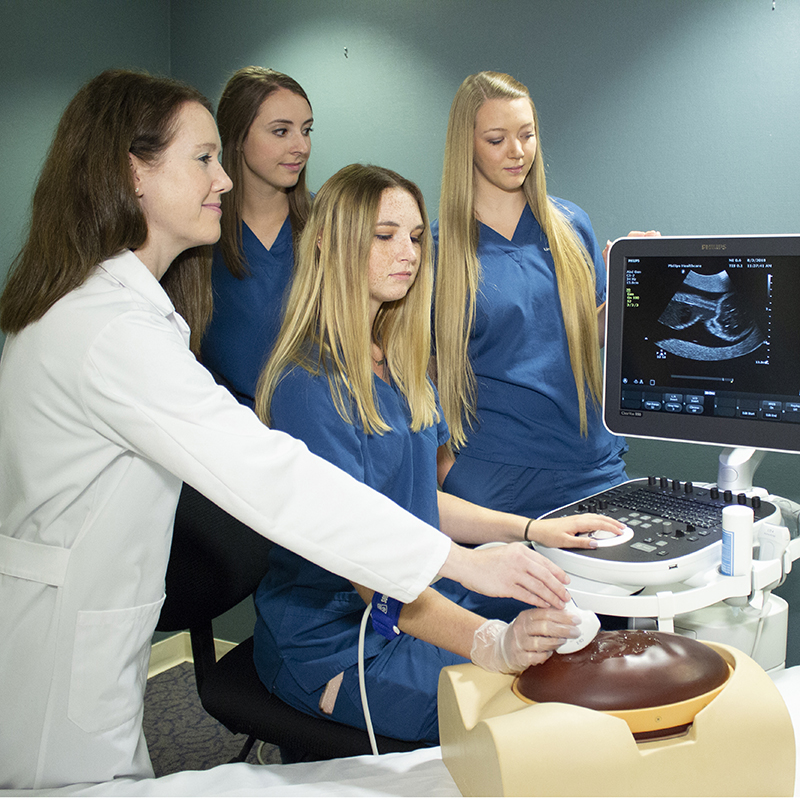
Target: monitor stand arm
737	465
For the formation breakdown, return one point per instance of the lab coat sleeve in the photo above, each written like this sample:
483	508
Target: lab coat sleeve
144	390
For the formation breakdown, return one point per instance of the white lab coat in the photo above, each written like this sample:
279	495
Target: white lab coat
103	412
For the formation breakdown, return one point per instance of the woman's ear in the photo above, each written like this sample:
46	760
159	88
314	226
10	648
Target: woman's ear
135	165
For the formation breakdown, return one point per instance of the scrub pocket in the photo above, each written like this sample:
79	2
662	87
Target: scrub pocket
109	665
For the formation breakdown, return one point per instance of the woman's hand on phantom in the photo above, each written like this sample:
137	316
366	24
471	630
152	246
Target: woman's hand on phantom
529	639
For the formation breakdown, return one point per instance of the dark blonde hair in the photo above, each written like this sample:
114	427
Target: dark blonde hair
326	325
241	100
84	209
459	270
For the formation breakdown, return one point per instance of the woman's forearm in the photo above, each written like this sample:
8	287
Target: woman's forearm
437	620
468	523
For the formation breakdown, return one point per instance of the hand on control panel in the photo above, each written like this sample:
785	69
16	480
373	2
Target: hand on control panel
603	538
578	530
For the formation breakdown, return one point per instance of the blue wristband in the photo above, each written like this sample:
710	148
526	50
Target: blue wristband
385	614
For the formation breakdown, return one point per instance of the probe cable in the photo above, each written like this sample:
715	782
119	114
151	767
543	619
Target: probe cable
362	685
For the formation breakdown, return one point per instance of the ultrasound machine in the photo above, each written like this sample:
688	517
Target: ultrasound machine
703	346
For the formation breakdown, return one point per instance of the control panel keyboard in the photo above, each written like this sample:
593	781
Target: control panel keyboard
670	520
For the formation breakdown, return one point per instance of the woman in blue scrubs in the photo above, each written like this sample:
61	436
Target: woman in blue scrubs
264	120
519	316
348	377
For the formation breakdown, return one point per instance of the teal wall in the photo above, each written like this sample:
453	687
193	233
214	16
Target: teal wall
48	50
683	115
680	114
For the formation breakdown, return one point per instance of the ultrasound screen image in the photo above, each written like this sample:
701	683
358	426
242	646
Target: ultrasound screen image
710	320
714	324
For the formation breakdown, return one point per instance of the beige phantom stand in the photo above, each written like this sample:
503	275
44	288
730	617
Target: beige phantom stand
496	744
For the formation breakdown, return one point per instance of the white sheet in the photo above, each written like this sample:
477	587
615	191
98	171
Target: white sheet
417	774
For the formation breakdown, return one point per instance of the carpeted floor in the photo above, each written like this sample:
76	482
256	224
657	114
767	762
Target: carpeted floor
180	734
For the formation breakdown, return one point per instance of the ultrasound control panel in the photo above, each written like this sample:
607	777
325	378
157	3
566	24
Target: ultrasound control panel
675	529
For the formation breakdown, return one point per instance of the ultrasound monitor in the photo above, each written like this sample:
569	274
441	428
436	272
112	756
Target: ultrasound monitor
703	340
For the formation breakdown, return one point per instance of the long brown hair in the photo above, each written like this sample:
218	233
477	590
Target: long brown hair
459	270
84	208
238	107
326	325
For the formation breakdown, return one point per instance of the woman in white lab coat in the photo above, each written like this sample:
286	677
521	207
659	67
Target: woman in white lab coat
104	411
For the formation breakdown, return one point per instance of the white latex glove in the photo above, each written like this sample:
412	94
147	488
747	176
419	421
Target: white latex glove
531	638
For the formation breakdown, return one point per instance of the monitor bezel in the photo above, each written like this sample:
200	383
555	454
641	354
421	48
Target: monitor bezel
725	432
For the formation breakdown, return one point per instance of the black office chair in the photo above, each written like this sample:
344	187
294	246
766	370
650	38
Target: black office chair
215	563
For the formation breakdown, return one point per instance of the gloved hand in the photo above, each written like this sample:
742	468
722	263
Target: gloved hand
531	638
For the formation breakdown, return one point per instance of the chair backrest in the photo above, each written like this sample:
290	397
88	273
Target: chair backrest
215	563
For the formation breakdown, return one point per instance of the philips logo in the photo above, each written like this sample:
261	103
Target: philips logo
714	247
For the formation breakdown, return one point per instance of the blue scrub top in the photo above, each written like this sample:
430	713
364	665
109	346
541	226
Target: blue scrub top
248	311
527	402
307	617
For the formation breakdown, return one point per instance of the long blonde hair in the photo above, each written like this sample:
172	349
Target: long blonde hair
459	270
238	107
326	324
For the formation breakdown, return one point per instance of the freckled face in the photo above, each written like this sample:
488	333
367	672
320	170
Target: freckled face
504	144
180	192
395	253
278	144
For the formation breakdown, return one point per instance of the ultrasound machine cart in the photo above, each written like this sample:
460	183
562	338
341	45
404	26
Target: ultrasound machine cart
702	345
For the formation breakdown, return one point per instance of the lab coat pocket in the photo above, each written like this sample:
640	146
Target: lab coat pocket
109	665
